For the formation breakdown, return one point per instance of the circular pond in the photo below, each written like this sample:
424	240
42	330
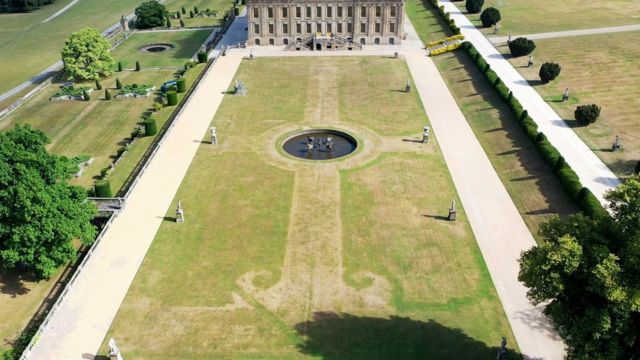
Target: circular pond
155	48
320	144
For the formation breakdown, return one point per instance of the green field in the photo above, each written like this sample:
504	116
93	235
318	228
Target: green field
288	259
214	5
186	44
529	17
605	75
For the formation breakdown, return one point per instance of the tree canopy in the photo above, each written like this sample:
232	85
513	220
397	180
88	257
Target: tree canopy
40	213
86	55
589	271
150	14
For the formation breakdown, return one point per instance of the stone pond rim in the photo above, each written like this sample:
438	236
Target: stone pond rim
155	48
319	144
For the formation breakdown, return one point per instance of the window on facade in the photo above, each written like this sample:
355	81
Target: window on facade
363	28
329	29
285	28
362	41
349	27
329	11
392	27
393	11
339	30
377	28
285	12
257	41
308	11
272	42
376	41
270	13
270	28
256	29
319	11
255	12
340	11
298	11
308	28
350	11
285	41
378	11
363	11
298	28
392	41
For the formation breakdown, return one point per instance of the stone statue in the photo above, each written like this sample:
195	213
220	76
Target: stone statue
425	134
530	63
407	87
565	95
616	145
502	353
124	24
452	211
214	136
179	213
114	352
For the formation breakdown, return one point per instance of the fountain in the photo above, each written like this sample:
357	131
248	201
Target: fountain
320	144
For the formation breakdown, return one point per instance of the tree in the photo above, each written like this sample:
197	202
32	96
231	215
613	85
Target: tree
119	66
138	67
85	95
521	46
195	9
86	55
168	22
191	14
549	71
178	16
184	11
181	23
118	84
490	16
474	6
150	14
587	114
588	269
107	94
40	213
98	85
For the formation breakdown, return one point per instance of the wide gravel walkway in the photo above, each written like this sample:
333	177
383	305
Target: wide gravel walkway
593	173
84	317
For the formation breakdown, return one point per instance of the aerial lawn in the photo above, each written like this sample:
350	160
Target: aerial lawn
595	74
529	17
218	7
185	45
282	258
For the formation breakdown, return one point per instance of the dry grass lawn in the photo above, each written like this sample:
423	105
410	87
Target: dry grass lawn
288	259
605	75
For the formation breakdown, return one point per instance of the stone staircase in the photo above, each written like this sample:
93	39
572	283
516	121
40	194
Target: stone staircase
327	42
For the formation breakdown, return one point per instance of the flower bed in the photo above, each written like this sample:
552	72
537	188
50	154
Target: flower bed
135	91
70	93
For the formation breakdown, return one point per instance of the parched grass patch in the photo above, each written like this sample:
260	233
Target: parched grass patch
608	76
529	17
185	45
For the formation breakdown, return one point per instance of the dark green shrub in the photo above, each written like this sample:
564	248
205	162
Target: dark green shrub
103	188
491	75
474	6
191	14
497	82
138	66
121	150
184	11
521	46
524	115
590	204
172	98
570	182
549	153
549	71
236	11
178	16
119	66
150	127
118	84
107	94
530	128
181	85
181	23
168	23
637	169
195	9
515	105
490	16
503	90
560	163
85	95
98	85
587	114
202	57
466	45
150	14
541	137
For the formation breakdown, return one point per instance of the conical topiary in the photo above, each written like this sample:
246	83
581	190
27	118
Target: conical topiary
119	66
137	65
181	23
107	94
98	85
85	95
118	84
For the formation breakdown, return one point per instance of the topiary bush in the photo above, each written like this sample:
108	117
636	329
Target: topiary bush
103	188
521	46
590	204
184	11
202	57
98	85
549	71
138	66
181	23
118	84
172	98
236	11
107	94
490	16
181	85
150	127
85	95
587	114
168	24
119	66
474	6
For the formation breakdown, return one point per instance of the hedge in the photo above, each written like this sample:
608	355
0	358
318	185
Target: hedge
202	57
568	178
103	189
172	98
150	126
181	85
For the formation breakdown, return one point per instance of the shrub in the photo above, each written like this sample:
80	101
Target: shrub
637	169
181	85
184	11
560	163
524	115
549	153
530	128
549	71
474	6
587	114
85	95
490	16
107	94
191	14
150	14
168	23
590	204
150	127
503	90
570	182
195	9
98	85
103	188
236	11
157	106
181	23
202	57
172	98
118	84
119	66
122	149
178	16
521	46
137	65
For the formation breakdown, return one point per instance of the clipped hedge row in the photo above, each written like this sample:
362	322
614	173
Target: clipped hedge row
446	17
568	178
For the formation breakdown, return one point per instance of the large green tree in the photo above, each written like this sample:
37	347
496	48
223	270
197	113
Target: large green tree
40	213
150	14
588	270
86	55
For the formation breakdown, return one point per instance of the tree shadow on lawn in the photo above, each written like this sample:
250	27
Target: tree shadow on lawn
521	147
333	336
13	283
